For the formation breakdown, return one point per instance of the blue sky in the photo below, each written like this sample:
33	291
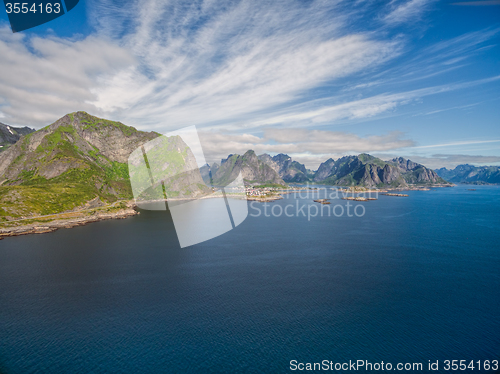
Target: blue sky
313	79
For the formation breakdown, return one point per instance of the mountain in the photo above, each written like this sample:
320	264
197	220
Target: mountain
471	174
325	170
253	170
369	171
10	135
414	173
362	170
290	171
208	172
76	160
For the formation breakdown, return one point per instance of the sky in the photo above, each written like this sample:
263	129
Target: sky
312	79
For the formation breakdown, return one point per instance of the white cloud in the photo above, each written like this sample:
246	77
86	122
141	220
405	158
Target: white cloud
226	62
452	108
227	65
193	63
458	45
450	161
41	79
478	3
465	142
319	112
410	10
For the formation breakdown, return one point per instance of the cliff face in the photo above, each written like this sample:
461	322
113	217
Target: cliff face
10	135
414	173
405	165
290	171
254	171
471	174
62	167
366	170
325	170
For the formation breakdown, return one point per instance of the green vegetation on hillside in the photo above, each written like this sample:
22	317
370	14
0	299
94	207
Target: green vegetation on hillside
96	123
79	171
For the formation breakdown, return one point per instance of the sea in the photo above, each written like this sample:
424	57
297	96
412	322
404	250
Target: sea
406	280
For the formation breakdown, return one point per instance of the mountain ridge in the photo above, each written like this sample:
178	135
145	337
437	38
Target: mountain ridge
355	170
290	171
466	173
369	171
10	135
253	170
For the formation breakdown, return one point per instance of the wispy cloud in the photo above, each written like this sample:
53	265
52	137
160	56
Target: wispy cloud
246	59
460	44
319	112
227	65
451	108
41	79
467	142
451	161
404	11
478	3
198	62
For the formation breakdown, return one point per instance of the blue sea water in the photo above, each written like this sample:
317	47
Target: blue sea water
414	279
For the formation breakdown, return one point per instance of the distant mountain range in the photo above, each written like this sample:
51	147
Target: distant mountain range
10	135
362	170
471	174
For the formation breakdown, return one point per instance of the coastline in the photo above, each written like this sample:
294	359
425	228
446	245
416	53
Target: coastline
124	209
53	222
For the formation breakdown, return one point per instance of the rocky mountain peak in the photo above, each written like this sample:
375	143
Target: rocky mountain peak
10	135
289	170
405	164
253	169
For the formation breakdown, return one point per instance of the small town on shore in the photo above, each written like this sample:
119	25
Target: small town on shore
356	193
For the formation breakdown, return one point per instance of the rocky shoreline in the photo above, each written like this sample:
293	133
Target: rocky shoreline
45	224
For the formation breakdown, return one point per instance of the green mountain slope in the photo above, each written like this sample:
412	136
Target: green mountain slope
76	162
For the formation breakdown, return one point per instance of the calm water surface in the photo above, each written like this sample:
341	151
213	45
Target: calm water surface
414	279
